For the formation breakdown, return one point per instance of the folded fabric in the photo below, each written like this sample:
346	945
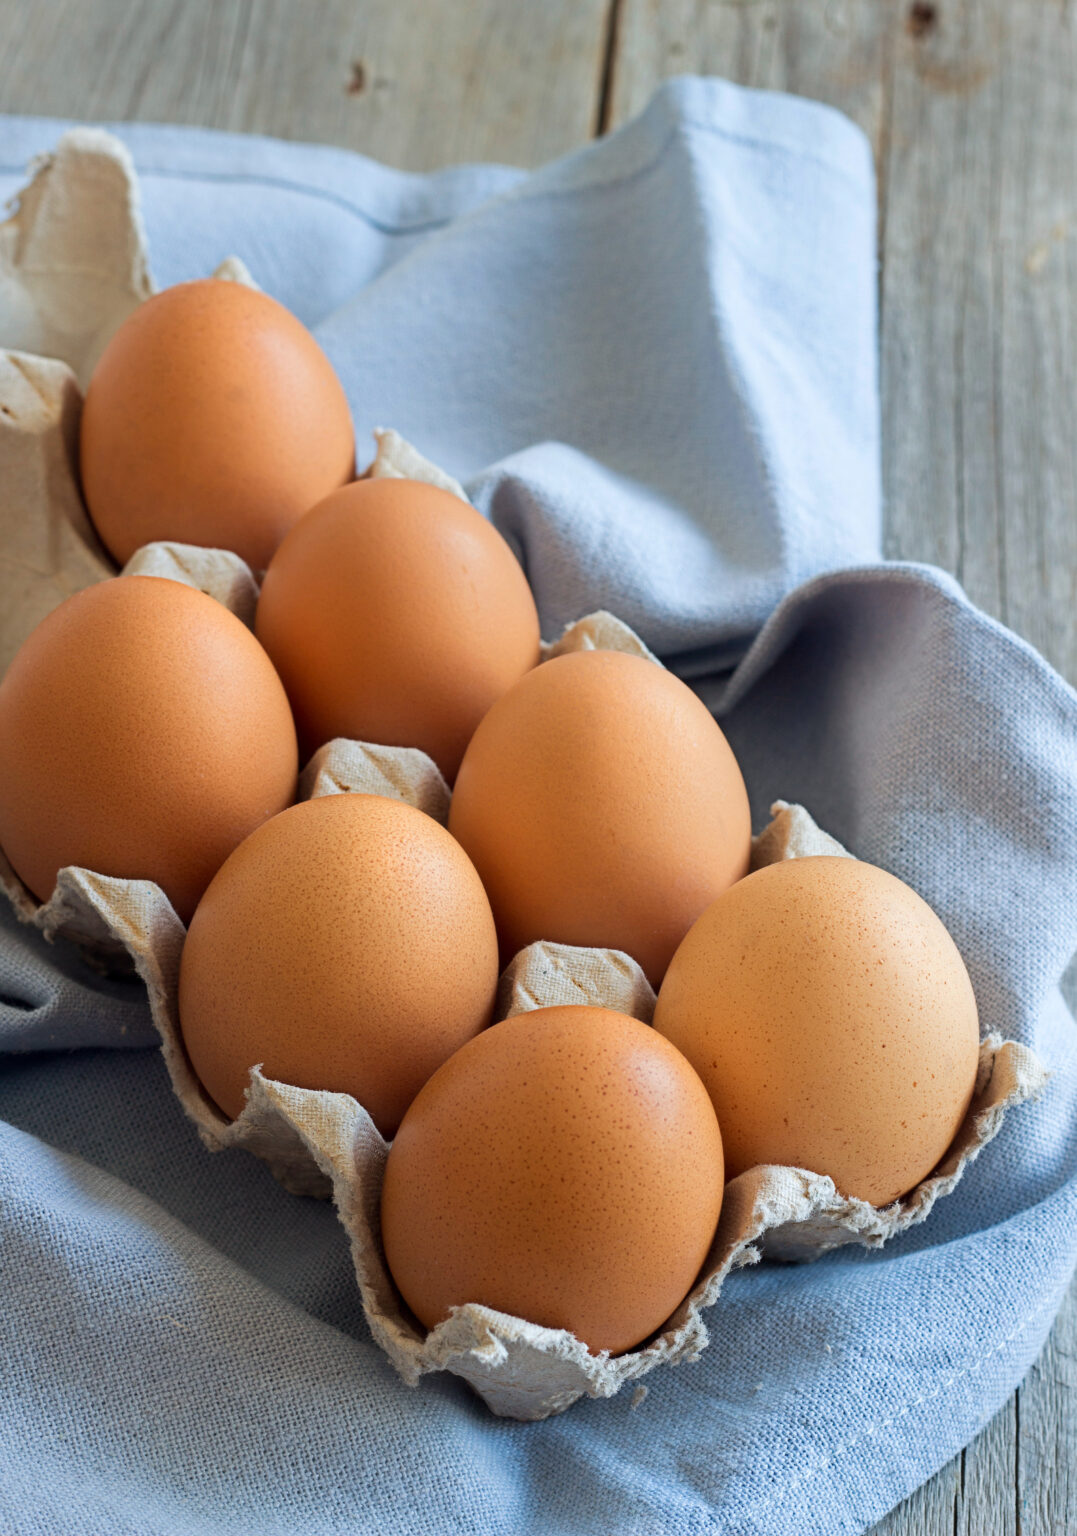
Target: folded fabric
653	364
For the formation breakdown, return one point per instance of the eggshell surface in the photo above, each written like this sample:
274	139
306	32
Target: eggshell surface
564	1167
395	613
213	417
348	945
602	805
144	734
833	1021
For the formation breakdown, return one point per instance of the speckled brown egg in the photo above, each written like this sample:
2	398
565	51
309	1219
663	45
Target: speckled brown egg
213	417
396	613
143	733
601	805
347	945
564	1167
833	1021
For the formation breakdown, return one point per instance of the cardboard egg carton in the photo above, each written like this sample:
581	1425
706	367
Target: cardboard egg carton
73	264
325	1144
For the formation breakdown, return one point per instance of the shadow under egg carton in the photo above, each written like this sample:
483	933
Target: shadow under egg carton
73	264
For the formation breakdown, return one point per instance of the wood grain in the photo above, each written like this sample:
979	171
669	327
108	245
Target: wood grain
417	83
1047	1466
971	107
931	1510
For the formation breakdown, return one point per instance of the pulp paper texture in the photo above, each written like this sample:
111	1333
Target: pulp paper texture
676	422
73	266
324	1144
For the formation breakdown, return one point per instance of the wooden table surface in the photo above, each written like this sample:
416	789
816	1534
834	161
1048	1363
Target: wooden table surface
971	106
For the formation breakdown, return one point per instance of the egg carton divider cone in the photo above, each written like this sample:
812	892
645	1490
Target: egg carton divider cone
73	265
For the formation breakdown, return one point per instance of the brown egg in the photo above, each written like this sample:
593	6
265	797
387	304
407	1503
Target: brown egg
143	733
832	1019
395	613
214	418
601	805
347	945
564	1167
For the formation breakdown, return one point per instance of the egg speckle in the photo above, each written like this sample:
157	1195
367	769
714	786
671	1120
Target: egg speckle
348	945
213	417
564	1167
602	805
395	613
833	1021
144	734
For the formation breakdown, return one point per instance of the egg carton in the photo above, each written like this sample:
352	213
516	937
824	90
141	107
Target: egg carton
73	265
325	1144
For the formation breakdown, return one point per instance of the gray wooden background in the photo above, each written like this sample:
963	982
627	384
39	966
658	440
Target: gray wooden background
971	106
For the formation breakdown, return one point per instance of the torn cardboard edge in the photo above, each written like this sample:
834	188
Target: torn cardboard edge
73	265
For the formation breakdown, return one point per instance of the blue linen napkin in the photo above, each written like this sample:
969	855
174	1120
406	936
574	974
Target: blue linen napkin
653	363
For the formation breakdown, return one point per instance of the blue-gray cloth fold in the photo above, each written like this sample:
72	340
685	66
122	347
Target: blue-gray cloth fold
653	363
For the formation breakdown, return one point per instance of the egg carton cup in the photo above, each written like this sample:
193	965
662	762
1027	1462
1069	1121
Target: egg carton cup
73	265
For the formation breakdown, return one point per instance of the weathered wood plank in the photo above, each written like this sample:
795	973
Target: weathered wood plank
417	83
833	50
971	108
930	1511
979	318
1047	1468
979	333
986	1502
973	1495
